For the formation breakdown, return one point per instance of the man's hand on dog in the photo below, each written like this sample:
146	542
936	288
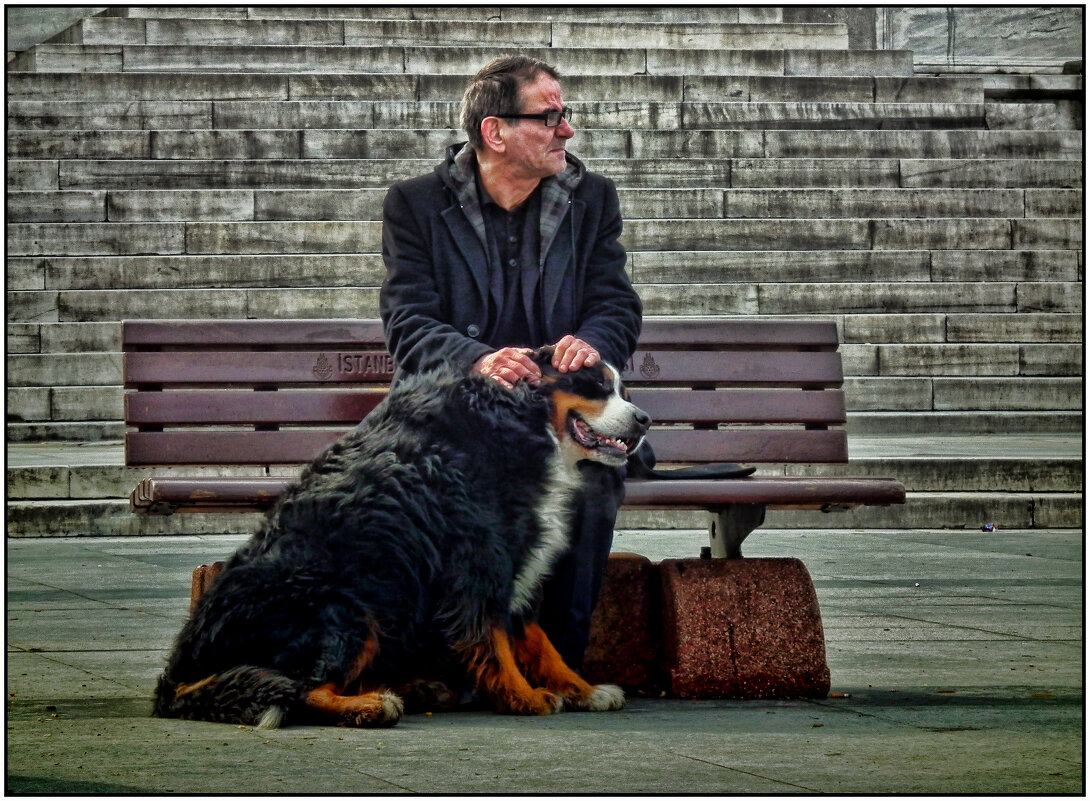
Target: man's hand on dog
511	365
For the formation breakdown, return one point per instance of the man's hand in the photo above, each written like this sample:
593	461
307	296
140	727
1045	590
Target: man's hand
508	366
571	353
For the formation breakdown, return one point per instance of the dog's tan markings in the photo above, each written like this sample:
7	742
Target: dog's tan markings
375	708
493	666
565	402
543	665
186	689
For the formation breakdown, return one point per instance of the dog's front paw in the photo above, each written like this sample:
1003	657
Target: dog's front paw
604	698
534	702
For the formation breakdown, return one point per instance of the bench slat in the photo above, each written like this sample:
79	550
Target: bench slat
723	369
737	368
227	447
257	367
175	447
794	446
742	406
257	494
223	407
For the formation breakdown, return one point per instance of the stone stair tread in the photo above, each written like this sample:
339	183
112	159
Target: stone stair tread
465	59
425	143
560	33
206	83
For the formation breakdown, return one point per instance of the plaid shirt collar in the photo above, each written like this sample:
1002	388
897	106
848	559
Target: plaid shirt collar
556	192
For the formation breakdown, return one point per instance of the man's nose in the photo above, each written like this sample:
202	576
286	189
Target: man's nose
565	130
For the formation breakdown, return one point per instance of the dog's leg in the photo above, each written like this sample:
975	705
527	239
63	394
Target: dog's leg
375	707
493	666
544	665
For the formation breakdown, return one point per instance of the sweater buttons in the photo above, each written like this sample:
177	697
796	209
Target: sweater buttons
474	330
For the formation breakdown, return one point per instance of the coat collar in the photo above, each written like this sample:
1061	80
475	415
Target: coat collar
460	170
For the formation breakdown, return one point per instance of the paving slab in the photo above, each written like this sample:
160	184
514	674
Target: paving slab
971	682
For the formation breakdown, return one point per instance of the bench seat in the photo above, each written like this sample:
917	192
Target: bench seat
169	495
277	392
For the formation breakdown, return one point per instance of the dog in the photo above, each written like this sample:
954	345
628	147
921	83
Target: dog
417	542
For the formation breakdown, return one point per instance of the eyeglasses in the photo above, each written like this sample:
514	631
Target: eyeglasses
551	118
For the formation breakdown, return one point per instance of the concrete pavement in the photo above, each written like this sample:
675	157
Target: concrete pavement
956	658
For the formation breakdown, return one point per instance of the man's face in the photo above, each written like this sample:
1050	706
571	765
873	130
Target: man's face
533	150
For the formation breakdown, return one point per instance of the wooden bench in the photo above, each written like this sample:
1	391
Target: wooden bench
266	393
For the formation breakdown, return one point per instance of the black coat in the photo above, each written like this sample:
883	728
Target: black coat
434	300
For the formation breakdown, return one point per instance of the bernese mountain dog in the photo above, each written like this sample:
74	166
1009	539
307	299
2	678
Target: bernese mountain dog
417	542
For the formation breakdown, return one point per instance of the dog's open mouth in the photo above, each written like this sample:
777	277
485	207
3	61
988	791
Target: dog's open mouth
587	437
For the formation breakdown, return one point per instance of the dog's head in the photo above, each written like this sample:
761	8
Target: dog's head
591	415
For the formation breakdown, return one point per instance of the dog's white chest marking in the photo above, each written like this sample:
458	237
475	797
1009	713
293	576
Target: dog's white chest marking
554	516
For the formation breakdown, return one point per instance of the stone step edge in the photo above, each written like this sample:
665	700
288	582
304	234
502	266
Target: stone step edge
962	511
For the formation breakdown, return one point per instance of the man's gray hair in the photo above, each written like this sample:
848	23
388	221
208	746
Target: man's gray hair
494	91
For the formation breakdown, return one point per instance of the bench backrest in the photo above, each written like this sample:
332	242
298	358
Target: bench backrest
269	392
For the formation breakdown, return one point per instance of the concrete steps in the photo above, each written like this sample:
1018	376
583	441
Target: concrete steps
231	162
68	490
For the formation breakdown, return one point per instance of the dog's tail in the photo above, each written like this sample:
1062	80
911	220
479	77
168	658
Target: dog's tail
246	695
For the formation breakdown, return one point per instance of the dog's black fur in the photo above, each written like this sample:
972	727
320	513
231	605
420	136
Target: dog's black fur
398	548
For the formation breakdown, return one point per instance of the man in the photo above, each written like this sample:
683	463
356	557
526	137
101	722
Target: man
508	245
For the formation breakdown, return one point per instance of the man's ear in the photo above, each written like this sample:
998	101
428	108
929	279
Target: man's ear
492	134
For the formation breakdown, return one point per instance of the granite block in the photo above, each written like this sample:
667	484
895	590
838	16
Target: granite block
624	646
742	628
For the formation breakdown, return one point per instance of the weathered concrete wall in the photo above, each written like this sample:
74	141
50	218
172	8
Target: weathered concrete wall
30	25
984	39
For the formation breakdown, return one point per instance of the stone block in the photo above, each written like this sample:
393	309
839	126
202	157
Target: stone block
699	35
429	32
344	85
939	234
1004	265
745	235
569	60
180	205
670	203
1023	327
718	144
1009	394
24	175
1050	297
992	172
734	61
94	239
887	394
27	404
1054	203
97	115
710	299
314	236
625	642
949	359
148	86
1054	360
801	266
79	144
64	369
1061	233
818	173
318	204
894	328
847	62
742	628
248	58
193	145
239	32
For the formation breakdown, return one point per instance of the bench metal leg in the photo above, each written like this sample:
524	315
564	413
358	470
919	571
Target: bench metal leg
732	524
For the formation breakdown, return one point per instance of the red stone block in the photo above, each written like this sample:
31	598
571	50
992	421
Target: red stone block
742	628
202	580
624	631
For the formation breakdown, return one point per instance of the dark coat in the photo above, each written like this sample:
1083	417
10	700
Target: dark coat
435	298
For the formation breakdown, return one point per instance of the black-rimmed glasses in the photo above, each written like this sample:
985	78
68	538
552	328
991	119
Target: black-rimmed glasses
551	118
